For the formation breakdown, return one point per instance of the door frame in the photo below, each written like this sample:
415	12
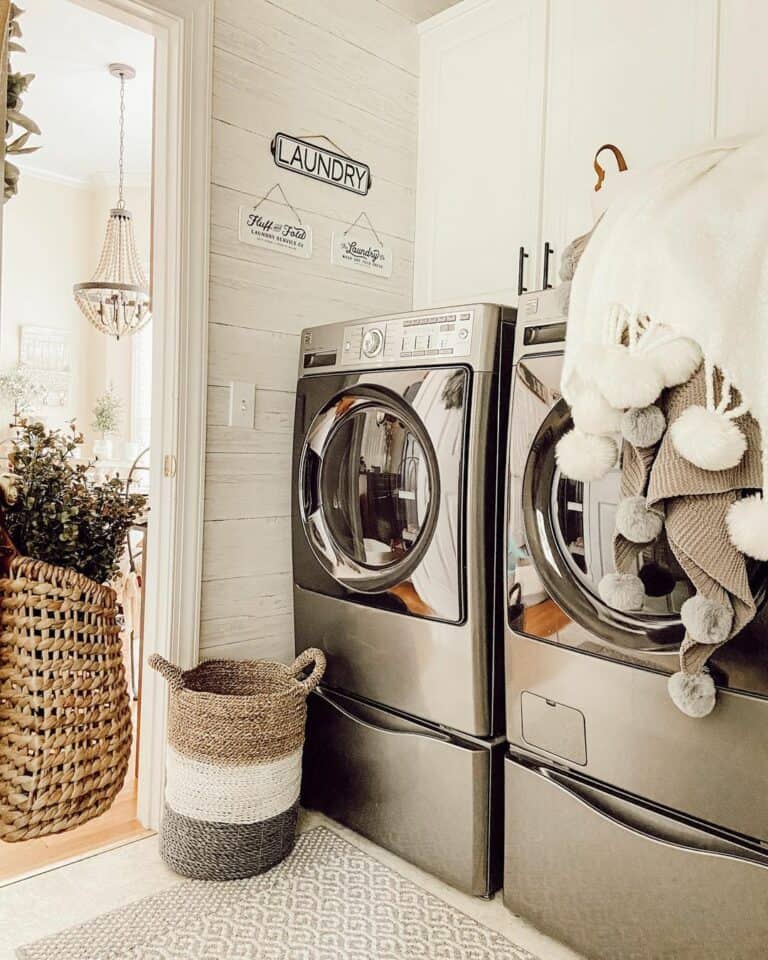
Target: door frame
183	32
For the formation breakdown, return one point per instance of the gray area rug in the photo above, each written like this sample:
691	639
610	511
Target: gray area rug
327	901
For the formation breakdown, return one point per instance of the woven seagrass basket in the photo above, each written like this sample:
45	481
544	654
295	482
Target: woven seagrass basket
233	774
65	720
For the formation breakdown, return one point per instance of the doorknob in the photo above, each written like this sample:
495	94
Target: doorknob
548	251
522	257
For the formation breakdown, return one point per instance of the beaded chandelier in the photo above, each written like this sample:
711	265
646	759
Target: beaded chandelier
116	299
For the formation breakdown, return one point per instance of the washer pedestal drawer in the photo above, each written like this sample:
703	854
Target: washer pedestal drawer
432	797
614	878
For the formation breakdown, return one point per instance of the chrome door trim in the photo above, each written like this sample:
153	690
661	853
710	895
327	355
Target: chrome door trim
347	570
555	777
426	733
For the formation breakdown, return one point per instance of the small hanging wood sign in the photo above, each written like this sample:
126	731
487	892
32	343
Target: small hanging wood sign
319	163
262	230
367	256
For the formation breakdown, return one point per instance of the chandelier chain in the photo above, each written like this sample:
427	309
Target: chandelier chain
121	168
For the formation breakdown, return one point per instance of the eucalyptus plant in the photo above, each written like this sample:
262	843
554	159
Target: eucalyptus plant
61	515
16	84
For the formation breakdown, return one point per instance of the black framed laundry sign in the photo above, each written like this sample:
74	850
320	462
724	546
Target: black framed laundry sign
330	166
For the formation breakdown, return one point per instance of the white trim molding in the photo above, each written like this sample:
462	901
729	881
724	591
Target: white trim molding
183	31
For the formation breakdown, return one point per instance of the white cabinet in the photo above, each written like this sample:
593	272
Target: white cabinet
742	96
480	130
639	75
516	96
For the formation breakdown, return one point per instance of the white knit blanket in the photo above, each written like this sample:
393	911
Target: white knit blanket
687	245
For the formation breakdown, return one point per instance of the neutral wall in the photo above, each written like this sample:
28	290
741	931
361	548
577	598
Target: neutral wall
347	69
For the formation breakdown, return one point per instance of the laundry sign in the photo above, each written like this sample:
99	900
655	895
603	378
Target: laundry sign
367	256
264	231
311	160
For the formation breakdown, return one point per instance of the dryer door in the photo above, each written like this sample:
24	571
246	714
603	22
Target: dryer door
379	480
560	545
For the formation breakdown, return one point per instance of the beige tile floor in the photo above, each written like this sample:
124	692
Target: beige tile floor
72	894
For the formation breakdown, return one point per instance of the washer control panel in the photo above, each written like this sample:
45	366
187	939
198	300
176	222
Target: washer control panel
412	339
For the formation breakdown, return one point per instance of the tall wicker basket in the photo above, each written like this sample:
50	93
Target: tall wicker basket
233	774
65	721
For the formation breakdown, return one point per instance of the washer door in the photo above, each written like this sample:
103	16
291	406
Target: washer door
369	488
560	540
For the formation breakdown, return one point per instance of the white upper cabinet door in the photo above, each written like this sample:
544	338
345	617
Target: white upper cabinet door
480	142
641	75
742	102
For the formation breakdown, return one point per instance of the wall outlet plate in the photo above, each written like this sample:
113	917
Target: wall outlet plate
242	398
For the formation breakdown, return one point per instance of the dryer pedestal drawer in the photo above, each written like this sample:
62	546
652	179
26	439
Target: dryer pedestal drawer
415	790
616	879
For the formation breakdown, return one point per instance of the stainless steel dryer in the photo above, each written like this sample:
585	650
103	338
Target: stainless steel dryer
631	830
396	524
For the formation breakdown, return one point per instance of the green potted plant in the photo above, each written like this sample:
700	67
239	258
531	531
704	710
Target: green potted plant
62	516
107	414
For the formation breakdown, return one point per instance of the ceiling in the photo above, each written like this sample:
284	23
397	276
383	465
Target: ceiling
73	98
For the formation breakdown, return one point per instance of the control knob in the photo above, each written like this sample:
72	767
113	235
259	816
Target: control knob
373	342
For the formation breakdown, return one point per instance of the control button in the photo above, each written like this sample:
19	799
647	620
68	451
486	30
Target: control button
406	353
432	353
419	353
463	333
373	342
444	353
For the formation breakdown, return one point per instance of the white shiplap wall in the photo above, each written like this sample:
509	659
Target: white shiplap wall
347	69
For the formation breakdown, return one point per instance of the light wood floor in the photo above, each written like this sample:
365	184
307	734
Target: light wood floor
117	825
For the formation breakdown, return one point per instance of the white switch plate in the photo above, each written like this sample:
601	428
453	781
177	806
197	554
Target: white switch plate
241	403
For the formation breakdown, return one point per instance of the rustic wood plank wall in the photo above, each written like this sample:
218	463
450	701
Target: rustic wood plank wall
347	69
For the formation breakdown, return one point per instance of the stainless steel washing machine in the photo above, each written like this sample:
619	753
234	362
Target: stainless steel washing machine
397	511
631	830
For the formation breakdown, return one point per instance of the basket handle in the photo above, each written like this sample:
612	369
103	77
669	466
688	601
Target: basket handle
313	656
173	674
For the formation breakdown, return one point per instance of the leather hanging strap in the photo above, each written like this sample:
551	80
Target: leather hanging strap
621	163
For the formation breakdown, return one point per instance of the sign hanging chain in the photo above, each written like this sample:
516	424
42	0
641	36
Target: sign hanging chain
278	186
369	227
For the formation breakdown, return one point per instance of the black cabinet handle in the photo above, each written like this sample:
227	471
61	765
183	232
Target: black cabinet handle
522	257
548	251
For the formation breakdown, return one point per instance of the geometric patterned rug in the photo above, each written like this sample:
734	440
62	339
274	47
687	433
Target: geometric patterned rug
328	901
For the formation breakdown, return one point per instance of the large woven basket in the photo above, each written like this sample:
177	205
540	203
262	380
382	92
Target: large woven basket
233	775
65	720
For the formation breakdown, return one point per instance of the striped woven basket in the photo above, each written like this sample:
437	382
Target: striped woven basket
233	773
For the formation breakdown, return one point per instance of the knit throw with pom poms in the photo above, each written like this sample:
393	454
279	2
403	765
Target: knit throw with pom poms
674	280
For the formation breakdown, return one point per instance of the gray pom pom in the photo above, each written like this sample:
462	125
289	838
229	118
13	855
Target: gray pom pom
636	522
622	591
692	693
643	426
707	621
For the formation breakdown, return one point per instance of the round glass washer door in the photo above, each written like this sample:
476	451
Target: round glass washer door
569	532
369	489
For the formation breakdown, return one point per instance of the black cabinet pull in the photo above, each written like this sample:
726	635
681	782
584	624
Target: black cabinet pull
522	257
548	251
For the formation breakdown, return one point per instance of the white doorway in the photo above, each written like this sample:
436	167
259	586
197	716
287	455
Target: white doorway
160	374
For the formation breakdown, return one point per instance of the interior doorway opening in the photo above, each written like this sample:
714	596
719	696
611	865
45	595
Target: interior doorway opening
56	368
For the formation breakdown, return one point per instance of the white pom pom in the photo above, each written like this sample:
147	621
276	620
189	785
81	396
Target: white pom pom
692	693
747	522
622	591
707	621
584	456
636	522
677	361
644	426
708	439
627	379
593	414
